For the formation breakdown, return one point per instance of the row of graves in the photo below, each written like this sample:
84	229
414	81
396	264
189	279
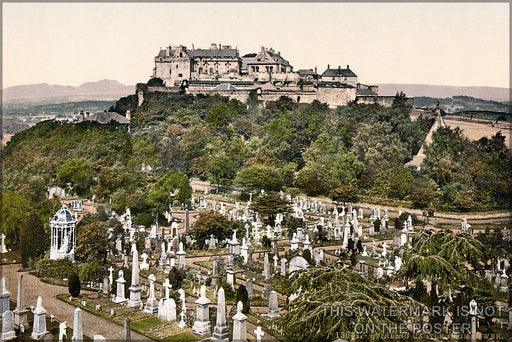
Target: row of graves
15	323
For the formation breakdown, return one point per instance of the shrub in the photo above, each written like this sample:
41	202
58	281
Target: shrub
90	271
74	285
243	296
176	277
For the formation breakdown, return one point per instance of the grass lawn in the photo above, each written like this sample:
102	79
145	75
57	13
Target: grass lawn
143	323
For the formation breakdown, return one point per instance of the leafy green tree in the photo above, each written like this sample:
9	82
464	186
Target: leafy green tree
394	183
172	185
269	205
215	224
424	197
220	170
344	194
14	211
465	200
78	173
74	285
218	116
91	242
259	176
33	238
176	277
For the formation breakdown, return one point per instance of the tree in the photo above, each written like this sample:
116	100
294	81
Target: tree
220	170
176	277
424	197
76	172
172	185
260	176
74	285
243	296
269	205
306	254
156	82
343	194
91	242
14	211
33	238
340	287
215	224
218	116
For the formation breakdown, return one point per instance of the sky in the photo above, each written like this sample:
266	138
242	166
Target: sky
460	44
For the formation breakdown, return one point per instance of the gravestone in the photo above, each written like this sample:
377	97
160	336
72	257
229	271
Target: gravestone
3	249
135	289
120	298
39	328
77	326
181	256
8	326
250	291
220	331
298	263
151	303
144	265
259	334
266	272
62	331
239	324
4	296
273	309
126	331
283	267
98	338
20	313
201	325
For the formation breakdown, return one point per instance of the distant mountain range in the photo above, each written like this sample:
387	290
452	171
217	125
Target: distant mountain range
46	93
425	90
107	90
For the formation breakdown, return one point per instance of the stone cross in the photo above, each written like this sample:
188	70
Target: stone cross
258	333
220	332
151	304
182	323
167	286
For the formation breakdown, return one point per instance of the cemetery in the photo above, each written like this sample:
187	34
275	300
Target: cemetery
220	269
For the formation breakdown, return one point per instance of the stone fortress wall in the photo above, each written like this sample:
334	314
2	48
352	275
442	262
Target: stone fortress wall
221	70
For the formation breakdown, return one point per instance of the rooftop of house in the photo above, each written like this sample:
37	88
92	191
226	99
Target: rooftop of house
339	72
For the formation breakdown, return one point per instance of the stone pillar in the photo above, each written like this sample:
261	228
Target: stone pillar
473	313
135	289
126	331
220	332
20	313
62	331
239	324
362	271
273	309
201	325
215	274
78	335
39	328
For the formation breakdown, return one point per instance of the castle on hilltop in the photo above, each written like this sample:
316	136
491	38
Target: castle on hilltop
266	74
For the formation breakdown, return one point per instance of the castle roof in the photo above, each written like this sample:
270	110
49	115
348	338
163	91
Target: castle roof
225	86
219	53
162	53
339	72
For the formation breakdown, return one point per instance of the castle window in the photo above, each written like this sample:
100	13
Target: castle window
180	75
176	66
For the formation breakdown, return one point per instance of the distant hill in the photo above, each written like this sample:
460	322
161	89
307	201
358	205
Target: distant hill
418	90
461	104
47	94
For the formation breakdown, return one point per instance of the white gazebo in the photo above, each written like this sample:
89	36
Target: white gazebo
63	235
